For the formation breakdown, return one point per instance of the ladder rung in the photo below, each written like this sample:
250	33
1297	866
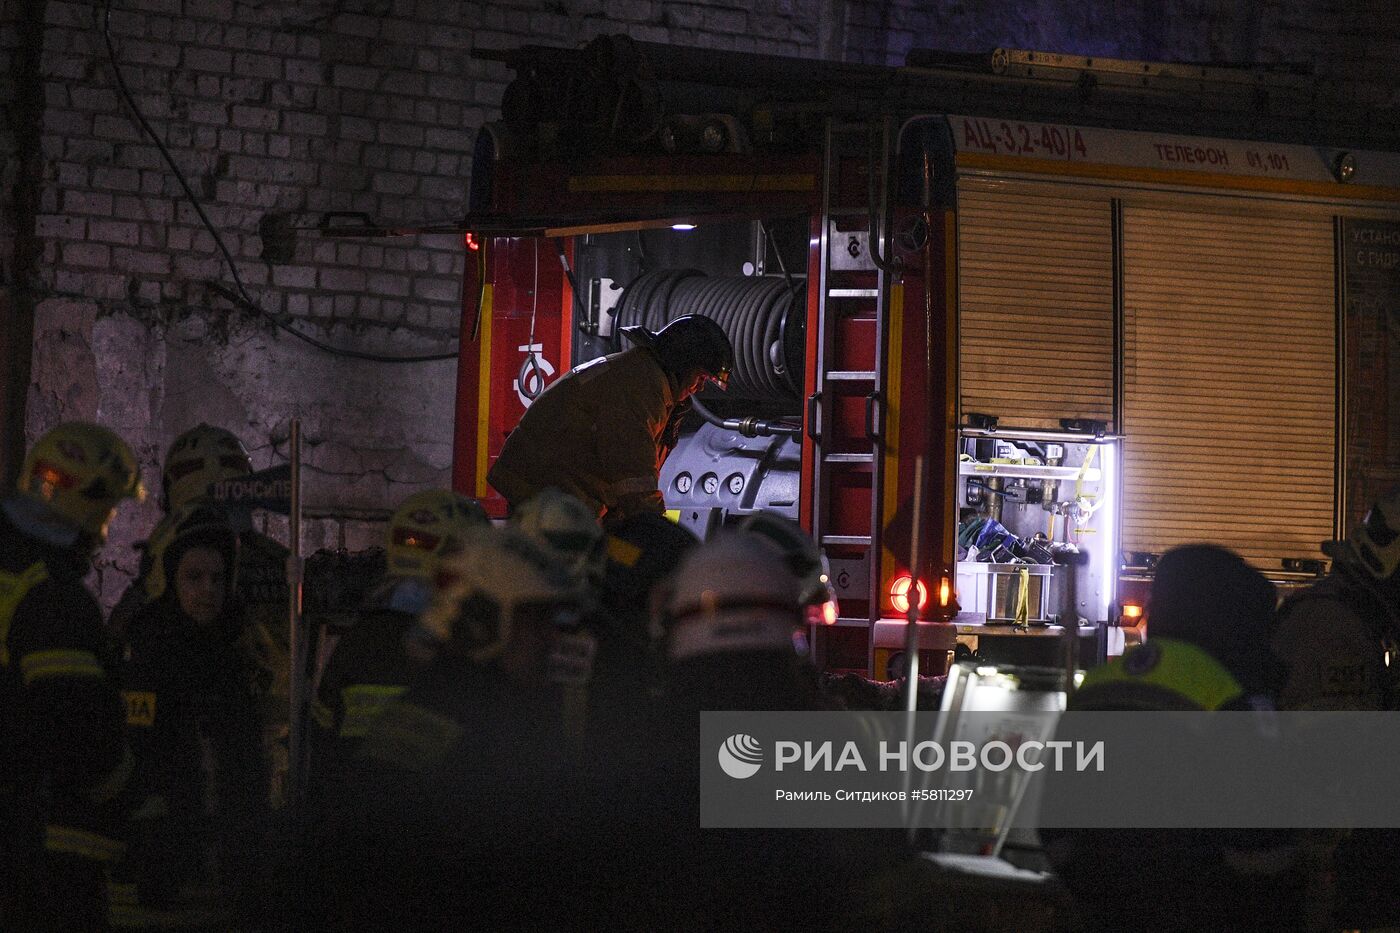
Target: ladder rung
849	458
850	621
851	375
853	293
860	540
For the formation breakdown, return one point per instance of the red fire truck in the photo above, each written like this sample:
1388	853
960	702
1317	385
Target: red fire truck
1114	305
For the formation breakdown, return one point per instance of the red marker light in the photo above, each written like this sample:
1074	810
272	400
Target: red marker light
899	593
472	244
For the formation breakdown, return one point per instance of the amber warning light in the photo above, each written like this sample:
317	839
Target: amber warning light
1131	612
899	593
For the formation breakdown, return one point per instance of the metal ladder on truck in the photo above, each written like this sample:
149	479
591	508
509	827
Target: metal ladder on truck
846	412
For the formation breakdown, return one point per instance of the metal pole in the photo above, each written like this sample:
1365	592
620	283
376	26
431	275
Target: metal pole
911	640
296	640
911	615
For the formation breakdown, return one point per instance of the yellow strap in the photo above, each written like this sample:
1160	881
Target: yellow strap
1083	469
70	840
61	662
623	552
363	705
13	588
1023	594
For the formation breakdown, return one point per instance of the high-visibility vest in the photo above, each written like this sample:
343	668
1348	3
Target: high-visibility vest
1160	674
13	588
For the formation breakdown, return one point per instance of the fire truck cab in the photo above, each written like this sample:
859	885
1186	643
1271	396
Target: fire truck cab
1105	302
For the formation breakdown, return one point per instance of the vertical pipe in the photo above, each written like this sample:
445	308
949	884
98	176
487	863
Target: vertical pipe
911	615
296	641
17	308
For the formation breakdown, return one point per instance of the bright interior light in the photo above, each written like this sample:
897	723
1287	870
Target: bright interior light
1107	516
899	593
682	226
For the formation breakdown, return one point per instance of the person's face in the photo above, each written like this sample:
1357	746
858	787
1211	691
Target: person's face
693	382
200	584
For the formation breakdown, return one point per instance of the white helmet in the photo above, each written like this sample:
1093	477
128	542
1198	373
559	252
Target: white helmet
483	588
1373	547
734	593
562	524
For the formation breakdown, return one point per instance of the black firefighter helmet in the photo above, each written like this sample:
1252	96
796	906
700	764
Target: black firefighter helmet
693	341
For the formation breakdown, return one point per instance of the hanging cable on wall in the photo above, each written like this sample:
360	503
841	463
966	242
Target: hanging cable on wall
239	295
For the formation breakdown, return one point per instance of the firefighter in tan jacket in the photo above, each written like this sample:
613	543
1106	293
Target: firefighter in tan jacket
602	431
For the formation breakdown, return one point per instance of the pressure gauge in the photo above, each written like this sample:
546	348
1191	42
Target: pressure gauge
709	483
683	483
735	484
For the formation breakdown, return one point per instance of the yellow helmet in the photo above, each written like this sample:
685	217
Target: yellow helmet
201	456
81	472
187	526
426	526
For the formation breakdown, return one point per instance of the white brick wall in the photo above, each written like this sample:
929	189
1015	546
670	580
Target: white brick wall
268	108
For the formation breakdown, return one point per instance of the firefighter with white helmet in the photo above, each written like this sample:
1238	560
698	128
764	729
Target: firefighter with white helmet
602	431
369	667
804	559
1340	639
459	793
65	761
730	623
726	624
565	526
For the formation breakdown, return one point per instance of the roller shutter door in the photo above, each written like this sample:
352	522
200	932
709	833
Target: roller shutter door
1229	405
1035	282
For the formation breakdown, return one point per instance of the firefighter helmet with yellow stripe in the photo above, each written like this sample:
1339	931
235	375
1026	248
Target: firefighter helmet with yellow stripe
426	526
80	472
201	456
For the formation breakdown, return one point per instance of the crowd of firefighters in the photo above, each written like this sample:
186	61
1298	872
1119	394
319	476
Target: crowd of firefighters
508	733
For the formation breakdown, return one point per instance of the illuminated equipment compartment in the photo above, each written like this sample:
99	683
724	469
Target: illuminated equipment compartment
1037	534
748	458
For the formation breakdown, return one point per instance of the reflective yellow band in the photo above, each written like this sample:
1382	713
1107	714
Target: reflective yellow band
410	737
13	588
42	665
363	704
69	840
